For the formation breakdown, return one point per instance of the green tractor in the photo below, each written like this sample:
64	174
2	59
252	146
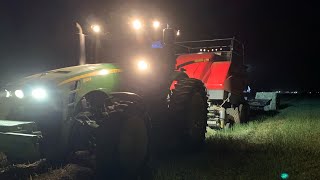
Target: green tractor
118	113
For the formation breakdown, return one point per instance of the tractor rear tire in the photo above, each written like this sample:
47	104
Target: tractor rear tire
189	108
122	147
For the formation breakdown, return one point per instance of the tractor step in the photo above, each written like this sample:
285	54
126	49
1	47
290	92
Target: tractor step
20	140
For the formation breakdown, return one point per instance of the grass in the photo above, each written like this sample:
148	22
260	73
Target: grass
271	144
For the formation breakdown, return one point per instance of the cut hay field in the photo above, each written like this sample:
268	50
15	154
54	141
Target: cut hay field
270	145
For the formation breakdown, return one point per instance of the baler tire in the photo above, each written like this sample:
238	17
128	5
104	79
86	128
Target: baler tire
189	108
122	147
244	110
238	114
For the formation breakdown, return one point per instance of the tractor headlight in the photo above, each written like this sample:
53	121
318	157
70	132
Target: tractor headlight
143	65
19	93
39	93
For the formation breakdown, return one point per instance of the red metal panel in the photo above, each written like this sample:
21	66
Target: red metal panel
215	78
191	57
202	66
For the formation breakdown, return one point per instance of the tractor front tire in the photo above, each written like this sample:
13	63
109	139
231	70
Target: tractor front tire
122	147
189	108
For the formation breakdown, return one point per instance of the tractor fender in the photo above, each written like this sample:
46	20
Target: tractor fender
128	96
177	75
81	94
71	126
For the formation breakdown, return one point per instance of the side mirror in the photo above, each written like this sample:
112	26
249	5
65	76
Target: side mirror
168	36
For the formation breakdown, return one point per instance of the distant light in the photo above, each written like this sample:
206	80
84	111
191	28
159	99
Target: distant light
178	33
96	28
156	24
103	72
216	49
220	49
137	24
200	50
212	50
284	176
19	94
204	50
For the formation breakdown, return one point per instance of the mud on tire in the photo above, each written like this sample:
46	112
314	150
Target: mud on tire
188	107
122	147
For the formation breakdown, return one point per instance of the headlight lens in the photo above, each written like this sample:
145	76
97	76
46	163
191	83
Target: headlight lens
39	93
19	94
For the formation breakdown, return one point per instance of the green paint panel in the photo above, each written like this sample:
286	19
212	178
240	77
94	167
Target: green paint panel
16	126
20	146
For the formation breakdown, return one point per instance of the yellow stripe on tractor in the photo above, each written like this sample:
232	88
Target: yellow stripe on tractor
92	74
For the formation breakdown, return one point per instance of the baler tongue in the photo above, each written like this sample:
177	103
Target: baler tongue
19	140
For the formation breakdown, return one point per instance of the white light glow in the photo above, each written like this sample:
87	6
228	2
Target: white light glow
156	24
142	65
103	72
96	28
137	24
178	33
39	93
8	94
19	94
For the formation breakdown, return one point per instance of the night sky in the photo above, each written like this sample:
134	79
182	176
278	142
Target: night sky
280	36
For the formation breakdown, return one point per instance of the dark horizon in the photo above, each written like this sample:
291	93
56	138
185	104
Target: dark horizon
279	37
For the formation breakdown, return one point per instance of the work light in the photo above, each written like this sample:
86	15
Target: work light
39	93
19	94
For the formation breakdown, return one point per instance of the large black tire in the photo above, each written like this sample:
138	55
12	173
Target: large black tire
122	146
189	108
119	138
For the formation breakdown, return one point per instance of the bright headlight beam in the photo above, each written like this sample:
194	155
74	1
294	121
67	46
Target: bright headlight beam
137	24
156	24
142	65
19	93
39	93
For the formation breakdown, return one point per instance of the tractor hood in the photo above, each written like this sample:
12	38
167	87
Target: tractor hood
59	76
49	88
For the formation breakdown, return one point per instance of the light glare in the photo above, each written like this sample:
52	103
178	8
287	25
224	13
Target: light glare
178	33
96	28
156	24
8	94
142	65
19	94
103	72
39	93
137	24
